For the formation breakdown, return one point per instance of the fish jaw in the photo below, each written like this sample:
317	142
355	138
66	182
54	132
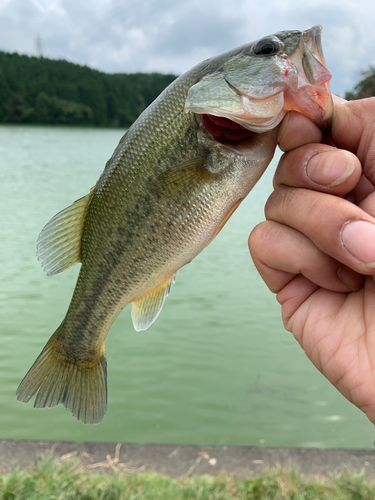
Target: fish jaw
215	95
311	96
256	92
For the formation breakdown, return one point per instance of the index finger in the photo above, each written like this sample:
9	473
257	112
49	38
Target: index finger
319	167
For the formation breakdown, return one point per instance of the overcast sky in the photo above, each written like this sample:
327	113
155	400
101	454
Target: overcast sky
173	35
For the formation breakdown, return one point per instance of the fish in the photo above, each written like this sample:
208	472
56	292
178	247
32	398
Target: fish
172	183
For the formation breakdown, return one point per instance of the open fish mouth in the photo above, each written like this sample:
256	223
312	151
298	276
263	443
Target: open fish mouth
224	130
237	102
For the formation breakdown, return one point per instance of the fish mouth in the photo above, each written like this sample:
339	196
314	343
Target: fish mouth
235	113
234	130
225	131
311	96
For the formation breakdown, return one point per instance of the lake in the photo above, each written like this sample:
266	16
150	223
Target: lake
217	367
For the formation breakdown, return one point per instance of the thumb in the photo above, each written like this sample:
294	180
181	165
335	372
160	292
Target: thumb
353	129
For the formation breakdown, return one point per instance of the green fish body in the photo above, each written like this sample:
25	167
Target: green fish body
174	180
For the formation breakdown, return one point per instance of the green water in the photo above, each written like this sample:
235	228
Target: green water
217	367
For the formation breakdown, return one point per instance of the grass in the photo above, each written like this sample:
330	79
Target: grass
53	479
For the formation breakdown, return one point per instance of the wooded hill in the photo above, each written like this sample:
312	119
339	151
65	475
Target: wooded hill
40	90
47	91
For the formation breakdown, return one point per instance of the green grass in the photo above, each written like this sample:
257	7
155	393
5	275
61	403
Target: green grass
52	479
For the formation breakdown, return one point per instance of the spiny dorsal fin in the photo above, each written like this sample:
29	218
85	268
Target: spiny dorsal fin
59	243
146	309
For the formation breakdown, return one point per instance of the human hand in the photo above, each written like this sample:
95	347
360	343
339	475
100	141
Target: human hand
316	249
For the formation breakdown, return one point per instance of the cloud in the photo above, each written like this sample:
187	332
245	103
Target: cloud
172	36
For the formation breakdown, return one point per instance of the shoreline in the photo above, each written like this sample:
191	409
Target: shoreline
187	460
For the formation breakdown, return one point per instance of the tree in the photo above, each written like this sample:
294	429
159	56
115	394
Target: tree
365	88
41	90
16	109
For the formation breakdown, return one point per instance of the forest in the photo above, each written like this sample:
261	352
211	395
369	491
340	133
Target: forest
46	91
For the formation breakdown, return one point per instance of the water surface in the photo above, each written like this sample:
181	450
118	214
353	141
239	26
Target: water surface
217	367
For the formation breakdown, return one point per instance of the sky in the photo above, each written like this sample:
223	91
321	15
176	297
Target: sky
171	36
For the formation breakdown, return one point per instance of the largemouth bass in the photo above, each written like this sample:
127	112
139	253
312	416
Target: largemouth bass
175	178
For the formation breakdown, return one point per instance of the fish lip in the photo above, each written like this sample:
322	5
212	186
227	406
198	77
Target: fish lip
304	87
247	118
314	97
312	39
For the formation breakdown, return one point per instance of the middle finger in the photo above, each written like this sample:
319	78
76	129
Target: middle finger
336	226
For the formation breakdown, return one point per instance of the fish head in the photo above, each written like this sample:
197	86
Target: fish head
250	90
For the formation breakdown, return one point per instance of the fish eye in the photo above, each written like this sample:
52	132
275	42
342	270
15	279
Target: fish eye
266	47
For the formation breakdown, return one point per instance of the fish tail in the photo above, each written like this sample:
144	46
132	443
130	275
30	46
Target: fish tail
81	386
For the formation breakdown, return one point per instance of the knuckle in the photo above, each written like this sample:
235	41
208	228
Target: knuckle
256	237
279	199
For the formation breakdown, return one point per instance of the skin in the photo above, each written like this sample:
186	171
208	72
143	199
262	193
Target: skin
316	249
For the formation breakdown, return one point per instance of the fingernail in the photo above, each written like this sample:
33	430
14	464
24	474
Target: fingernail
358	237
329	168
283	127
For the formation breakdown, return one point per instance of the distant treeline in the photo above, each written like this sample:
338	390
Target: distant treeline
46	91
365	88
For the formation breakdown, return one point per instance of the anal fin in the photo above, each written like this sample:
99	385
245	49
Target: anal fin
146	309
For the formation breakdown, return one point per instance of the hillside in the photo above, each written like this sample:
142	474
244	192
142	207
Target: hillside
46	91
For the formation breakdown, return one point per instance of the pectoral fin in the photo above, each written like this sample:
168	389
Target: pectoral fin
146	309
183	179
59	243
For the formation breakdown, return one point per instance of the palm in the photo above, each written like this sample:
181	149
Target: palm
337	332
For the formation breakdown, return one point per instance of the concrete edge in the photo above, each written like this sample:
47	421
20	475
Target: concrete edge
187	460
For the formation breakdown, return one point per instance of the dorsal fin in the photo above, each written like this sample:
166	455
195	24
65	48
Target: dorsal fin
59	243
146	309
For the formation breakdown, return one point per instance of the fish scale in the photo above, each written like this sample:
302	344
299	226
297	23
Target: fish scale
164	195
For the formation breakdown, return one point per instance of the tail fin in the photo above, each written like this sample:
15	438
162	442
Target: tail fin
80	387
